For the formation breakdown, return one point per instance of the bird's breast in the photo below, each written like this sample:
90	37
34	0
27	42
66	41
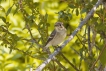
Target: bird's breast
58	38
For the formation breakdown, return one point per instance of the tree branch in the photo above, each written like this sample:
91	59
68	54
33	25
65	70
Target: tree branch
70	37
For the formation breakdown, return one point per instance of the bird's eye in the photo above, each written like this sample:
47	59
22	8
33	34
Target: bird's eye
60	25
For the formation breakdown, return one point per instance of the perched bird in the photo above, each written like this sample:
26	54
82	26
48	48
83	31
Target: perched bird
57	36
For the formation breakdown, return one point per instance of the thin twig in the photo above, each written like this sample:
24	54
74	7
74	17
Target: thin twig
58	62
32	38
27	26
98	57
89	42
81	41
89	15
69	62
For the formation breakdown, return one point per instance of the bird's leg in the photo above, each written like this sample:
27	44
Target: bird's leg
54	47
46	50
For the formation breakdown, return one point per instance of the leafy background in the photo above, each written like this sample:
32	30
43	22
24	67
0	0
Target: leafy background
26	24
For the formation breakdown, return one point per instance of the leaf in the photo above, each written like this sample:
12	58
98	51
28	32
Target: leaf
16	56
77	12
2	9
10	50
9	10
15	10
40	57
100	27
71	6
83	11
103	57
3	19
70	16
46	16
60	13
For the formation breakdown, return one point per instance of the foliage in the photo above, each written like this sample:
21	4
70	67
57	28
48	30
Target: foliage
26	24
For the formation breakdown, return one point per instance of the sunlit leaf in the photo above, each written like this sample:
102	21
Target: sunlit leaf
16	56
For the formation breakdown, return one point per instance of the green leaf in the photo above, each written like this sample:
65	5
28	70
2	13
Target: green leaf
10	50
71	6
15	10
2	9
3	19
83	11
16	56
70	16
9	10
100	27
46	16
77	12
103	57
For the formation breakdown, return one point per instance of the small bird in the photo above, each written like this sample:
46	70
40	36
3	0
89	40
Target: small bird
57	36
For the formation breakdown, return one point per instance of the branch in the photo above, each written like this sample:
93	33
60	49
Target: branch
27	26
70	37
58	62
69	62
89	42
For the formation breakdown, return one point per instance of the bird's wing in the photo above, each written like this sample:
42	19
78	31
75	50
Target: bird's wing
51	36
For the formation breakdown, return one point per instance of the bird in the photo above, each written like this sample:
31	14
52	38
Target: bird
57	36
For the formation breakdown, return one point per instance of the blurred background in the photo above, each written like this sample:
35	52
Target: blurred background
26	24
